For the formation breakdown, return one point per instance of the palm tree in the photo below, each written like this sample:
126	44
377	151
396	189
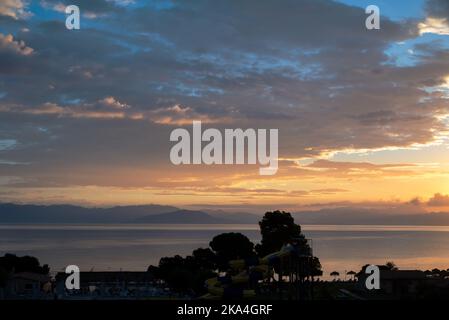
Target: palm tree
351	274
391	266
335	274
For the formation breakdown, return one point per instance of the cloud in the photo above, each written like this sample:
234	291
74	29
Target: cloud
437	8
61	7
328	191
47	108
327	164
6	144
123	2
7	43
82	111
112	102
181	115
437	20
343	170
311	70
91	8
438	200
58	7
15	9
434	25
111	108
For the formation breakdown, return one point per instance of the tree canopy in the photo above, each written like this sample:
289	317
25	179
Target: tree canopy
229	246
184	274
277	228
11	263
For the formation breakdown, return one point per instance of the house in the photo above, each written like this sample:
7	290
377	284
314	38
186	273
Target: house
109	285
28	285
401	282
396	283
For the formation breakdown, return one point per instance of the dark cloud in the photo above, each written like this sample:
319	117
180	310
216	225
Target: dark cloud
438	8
265	25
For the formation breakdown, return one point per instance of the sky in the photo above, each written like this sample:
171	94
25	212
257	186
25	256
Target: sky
86	115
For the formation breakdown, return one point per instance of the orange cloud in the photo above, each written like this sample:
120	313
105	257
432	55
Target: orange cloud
181	115
14	9
8	43
438	200
112	102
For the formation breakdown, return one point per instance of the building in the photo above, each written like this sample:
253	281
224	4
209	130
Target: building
28	285
110	285
395	284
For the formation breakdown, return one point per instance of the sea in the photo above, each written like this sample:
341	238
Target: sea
128	247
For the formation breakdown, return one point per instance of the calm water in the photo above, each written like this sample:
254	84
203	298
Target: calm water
134	247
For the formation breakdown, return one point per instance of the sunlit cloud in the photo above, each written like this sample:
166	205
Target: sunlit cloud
112	102
7	43
15	9
442	89
182	115
434	25
50	108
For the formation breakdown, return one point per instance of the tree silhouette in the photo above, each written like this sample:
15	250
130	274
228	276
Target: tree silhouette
335	274
14	264
351	274
316	267
205	258
229	246
277	228
183	274
390	265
